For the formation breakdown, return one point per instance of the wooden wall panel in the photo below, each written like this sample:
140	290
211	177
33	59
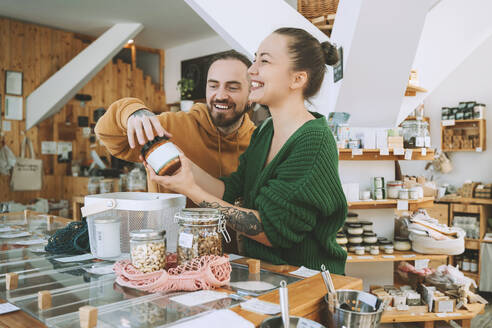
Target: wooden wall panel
39	52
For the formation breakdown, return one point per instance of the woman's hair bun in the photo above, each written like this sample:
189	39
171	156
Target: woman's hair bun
330	53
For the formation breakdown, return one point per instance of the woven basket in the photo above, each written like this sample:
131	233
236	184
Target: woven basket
316	8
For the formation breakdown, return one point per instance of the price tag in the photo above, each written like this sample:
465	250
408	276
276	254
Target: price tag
408	255
356	152
388	256
349	257
399	151
185	240
255	305
421	264
424	151
478	149
447	123
402	205
7	308
384	152
365	257
304	272
408	154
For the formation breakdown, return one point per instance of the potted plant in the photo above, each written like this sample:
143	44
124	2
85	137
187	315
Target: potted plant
185	87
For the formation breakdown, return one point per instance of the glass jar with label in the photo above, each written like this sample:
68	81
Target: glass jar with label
200	233
366	226
402	244
107	237
137	181
355	229
148	249
403	194
466	263
394	189
474	264
414	193
93	185
162	155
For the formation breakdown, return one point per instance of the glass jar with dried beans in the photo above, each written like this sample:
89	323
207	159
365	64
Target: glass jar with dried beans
200	233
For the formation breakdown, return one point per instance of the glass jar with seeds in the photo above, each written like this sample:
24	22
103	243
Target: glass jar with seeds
200	233
148	249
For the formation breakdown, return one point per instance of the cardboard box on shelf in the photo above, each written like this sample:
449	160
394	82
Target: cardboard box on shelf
444	305
395	142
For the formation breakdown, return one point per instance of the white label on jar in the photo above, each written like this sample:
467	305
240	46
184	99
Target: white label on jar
162	155
466	266
107	239
408	154
185	240
402	205
473	267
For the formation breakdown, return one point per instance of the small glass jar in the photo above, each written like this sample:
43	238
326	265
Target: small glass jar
200	233
351	247
352	217
137	181
148	250
366	226
384	243
355	229
388	249
374	250
459	261
341	239
107	237
474	265
402	244
378	182
162	155
354	239
414	193
378	194
393	188
359	250
367	247
105	186
370	238
403	194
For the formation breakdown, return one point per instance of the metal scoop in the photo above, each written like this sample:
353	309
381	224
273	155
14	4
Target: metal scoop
284	303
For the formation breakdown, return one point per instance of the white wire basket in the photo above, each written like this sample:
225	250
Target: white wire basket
131	211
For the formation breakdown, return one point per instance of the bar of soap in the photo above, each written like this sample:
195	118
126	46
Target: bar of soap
88	316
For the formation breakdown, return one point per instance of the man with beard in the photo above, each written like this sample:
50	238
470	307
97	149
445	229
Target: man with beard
212	135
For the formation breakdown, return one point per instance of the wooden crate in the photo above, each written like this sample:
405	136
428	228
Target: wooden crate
466	135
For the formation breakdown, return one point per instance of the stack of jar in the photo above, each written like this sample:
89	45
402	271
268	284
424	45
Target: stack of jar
468	110
378	188
468	261
396	190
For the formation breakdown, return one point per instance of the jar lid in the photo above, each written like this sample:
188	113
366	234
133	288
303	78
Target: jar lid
199	216
354	225
352	215
385	242
149	144
369	234
106	219
401	239
144	234
365	223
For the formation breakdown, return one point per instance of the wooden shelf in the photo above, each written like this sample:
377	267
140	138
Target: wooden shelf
472	243
414	118
391	203
480	201
421	315
395	257
374	155
413	89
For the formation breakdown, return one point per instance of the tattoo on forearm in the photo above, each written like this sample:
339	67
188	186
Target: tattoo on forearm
142	112
242	221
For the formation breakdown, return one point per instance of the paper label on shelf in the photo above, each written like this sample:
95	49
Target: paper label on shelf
100	270
356	152
185	240
305	323
388	256
423	151
408	154
442	315
447	123
421	264
305	272
408	255
399	151
255	305
384	152
402	205
233	257
365	257
478	149
83	257
198	298
31	242
7	308
15	235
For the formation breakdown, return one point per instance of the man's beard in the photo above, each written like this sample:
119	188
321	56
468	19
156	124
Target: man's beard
222	120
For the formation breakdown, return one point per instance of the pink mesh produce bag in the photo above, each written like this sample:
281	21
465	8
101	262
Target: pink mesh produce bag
205	272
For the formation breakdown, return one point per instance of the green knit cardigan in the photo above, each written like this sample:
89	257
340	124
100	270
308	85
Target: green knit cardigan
298	195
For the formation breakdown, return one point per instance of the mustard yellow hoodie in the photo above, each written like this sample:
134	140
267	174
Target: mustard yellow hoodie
193	132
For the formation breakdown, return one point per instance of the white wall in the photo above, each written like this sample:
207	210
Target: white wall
174	56
471	81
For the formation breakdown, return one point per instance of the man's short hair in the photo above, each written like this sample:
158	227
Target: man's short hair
230	54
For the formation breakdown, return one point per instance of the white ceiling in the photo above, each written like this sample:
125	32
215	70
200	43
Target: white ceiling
167	23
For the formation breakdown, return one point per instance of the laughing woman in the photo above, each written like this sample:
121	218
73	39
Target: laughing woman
293	203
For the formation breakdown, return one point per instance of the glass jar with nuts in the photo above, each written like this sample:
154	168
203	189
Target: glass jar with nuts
200	233
148	249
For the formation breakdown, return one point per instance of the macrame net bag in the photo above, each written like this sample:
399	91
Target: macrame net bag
206	272
73	239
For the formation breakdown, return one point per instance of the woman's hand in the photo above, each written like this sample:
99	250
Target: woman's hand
183	182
